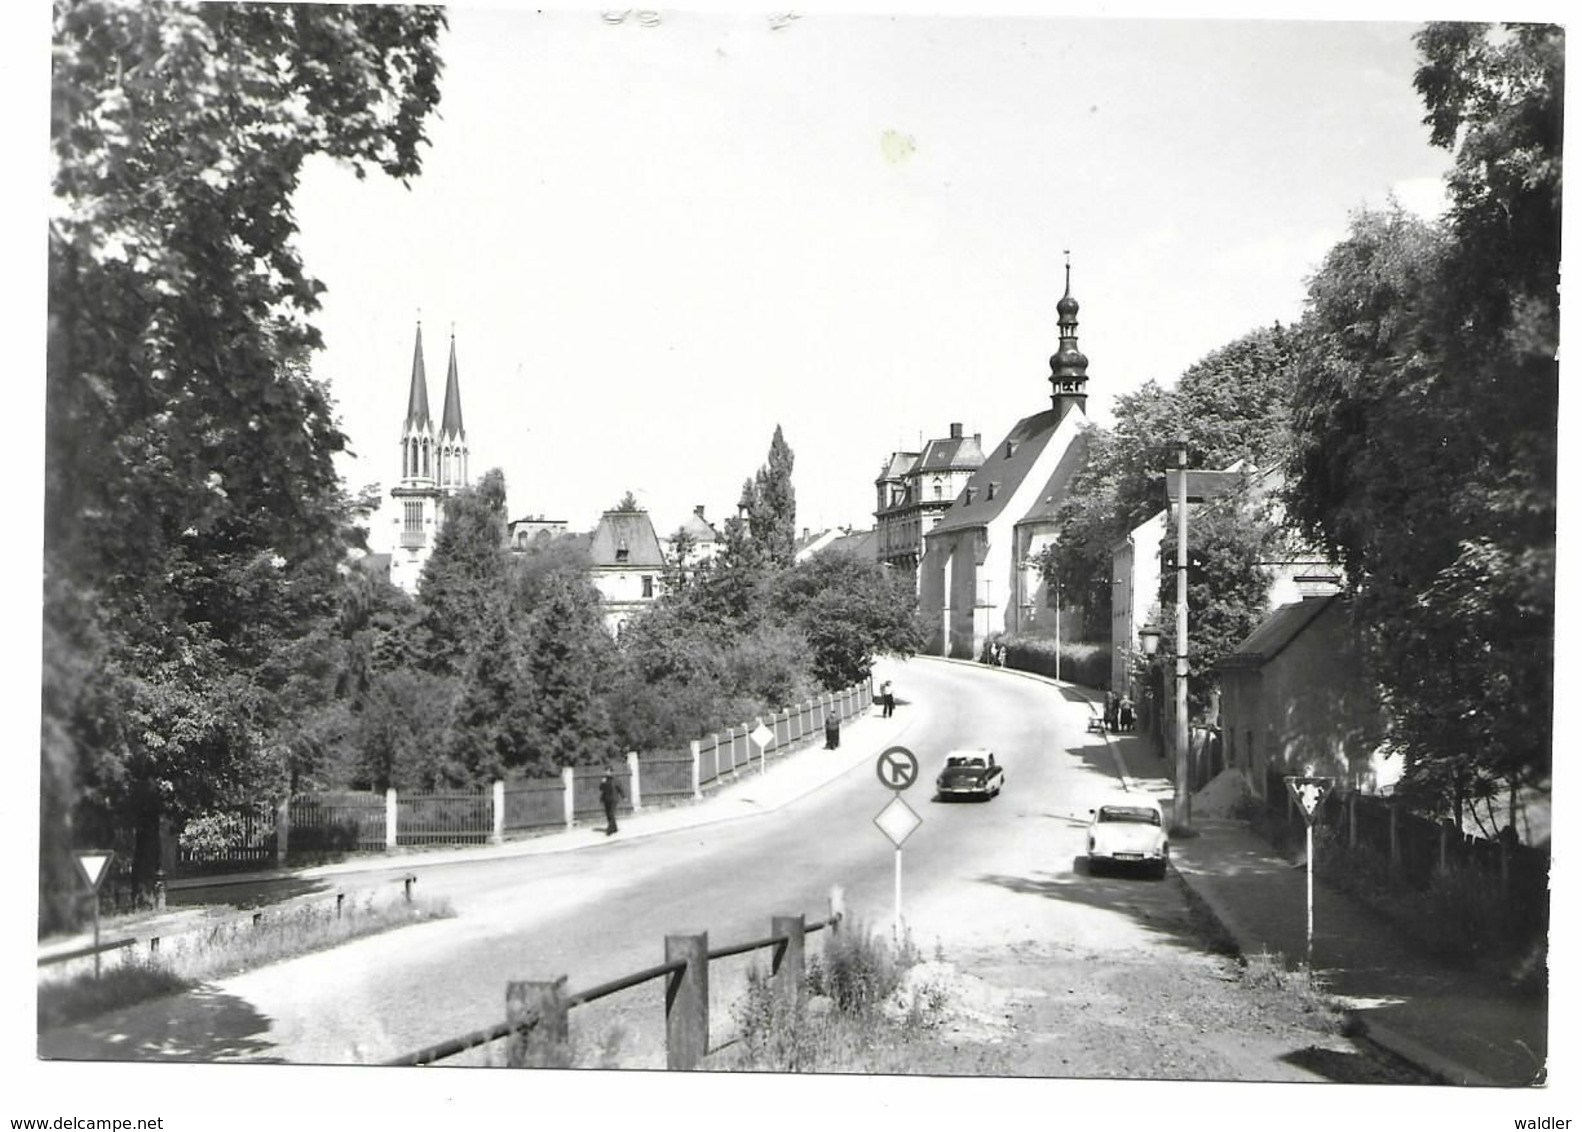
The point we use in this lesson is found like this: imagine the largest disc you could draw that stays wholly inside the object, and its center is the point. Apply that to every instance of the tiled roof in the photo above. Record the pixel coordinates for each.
(1276, 632)
(898, 465)
(861, 544)
(951, 452)
(1005, 467)
(1054, 493)
(631, 530)
(699, 529)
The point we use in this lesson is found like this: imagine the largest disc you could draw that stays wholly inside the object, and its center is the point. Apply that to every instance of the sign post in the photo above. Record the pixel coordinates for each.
(763, 737)
(897, 768)
(94, 865)
(1309, 794)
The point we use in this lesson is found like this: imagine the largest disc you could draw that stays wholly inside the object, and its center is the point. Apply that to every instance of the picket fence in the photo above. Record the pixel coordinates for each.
(350, 821)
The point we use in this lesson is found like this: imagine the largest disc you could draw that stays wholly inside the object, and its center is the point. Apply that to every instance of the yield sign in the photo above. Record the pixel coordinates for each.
(1308, 792)
(897, 768)
(95, 864)
(761, 735)
(897, 821)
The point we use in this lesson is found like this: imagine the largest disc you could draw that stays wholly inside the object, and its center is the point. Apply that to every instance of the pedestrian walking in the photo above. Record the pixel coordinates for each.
(1125, 715)
(610, 793)
(886, 699)
(1110, 703)
(831, 731)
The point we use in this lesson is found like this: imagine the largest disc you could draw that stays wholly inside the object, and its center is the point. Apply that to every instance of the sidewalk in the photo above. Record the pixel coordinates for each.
(747, 793)
(1460, 1026)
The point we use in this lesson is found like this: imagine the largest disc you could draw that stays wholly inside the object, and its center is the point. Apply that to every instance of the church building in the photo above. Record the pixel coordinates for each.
(434, 466)
(978, 575)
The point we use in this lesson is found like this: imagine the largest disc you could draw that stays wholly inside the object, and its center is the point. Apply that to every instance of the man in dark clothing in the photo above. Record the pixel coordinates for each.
(831, 732)
(886, 699)
(609, 793)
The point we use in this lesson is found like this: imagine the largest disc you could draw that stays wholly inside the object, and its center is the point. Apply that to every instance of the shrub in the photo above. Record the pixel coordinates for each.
(860, 967)
(1081, 662)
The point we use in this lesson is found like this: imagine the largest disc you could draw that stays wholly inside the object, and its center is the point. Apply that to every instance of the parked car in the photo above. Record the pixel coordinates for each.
(1129, 831)
(970, 774)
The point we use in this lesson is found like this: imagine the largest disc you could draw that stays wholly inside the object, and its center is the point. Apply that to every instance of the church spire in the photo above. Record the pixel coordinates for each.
(1068, 367)
(417, 398)
(453, 454)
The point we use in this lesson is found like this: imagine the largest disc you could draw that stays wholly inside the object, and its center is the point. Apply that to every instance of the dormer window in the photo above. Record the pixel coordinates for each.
(994, 487)
(966, 496)
(1010, 448)
(621, 553)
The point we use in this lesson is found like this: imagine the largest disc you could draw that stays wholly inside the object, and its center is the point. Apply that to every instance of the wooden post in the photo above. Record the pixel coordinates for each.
(1395, 839)
(687, 1001)
(634, 767)
(568, 782)
(282, 831)
(697, 755)
(498, 834)
(543, 1045)
(391, 810)
(787, 967)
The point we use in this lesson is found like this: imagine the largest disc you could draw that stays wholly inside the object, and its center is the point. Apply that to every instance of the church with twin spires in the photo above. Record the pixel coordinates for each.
(434, 466)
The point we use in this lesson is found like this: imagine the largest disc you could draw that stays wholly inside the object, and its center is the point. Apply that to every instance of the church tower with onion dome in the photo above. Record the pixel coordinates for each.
(979, 576)
(434, 466)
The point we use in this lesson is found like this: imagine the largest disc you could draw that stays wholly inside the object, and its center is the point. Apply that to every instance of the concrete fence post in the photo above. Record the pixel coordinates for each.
(634, 766)
(568, 782)
(837, 907)
(543, 1043)
(697, 756)
(282, 831)
(498, 833)
(687, 1001)
(787, 968)
(391, 812)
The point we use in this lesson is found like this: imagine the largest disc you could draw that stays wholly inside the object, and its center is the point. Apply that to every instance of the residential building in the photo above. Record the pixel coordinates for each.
(978, 576)
(533, 529)
(628, 565)
(914, 491)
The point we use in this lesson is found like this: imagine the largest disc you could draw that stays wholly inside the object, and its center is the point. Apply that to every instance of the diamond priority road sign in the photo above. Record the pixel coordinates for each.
(897, 821)
(761, 735)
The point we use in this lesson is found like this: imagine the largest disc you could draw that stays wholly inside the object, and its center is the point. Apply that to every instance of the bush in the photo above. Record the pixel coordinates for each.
(1081, 662)
(861, 968)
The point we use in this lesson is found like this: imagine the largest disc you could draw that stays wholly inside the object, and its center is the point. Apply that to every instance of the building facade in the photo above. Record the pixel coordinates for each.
(434, 466)
(915, 489)
(977, 576)
(628, 566)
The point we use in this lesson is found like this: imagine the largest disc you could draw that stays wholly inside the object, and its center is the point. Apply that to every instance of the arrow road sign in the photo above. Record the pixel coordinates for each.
(897, 768)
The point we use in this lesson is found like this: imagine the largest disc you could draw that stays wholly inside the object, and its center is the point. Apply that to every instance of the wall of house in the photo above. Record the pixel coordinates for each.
(1308, 710)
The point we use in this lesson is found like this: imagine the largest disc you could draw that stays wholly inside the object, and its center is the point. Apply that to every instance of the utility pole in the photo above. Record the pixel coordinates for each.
(1182, 816)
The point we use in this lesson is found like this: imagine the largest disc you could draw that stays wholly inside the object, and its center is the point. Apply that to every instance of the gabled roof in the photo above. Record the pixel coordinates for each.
(1276, 632)
(417, 395)
(951, 452)
(450, 424)
(860, 544)
(630, 530)
(1059, 483)
(1005, 467)
(699, 529)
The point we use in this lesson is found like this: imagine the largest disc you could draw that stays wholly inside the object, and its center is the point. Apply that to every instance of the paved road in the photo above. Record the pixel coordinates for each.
(974, 874)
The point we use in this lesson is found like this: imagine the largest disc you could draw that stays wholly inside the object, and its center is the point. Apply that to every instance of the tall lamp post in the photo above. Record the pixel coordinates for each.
(1149, 635)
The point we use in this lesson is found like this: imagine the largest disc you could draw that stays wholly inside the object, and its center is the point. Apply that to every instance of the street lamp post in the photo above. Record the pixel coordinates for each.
(1183, 792)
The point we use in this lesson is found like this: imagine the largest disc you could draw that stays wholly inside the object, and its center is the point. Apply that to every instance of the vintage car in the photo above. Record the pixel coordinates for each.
(1128, 831)
(970, 774)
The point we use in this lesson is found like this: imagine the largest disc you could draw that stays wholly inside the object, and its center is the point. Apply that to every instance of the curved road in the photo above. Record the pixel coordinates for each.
(976, 876)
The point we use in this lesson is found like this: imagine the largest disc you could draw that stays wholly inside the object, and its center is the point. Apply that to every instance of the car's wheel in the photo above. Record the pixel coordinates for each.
(1161, 869)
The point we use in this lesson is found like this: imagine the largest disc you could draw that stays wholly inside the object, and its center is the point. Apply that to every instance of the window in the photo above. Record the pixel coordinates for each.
(621, 553)
(414, 517)
(648, 585)
(939, 488)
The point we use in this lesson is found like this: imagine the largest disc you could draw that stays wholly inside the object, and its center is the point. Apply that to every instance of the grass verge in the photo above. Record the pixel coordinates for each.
(226, 949)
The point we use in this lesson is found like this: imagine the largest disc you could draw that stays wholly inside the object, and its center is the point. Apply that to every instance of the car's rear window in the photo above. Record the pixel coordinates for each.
(1142, 814)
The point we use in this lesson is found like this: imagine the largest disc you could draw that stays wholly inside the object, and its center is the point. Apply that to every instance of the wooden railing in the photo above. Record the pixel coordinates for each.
(536, 1011)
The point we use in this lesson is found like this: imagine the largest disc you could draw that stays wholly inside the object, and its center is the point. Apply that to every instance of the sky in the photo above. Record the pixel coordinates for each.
(658, 237)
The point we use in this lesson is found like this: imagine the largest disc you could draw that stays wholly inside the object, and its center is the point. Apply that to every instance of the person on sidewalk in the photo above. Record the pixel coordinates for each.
(831, 732)
(886, 700)
(610, 793)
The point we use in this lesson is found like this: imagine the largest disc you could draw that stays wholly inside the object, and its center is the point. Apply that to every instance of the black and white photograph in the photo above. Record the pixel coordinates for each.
(910, 566)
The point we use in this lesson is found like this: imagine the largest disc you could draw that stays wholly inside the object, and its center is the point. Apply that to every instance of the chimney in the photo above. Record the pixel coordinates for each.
(955, 430)
(698, 510)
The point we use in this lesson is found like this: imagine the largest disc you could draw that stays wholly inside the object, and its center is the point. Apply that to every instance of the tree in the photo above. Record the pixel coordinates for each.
(849, 609)
(771, 505)
(466, 581)
(190, 497)
(568, 661)
(1427, 423)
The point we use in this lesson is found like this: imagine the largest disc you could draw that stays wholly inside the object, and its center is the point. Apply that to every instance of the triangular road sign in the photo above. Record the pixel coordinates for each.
(95, 865)
(1308, 792)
